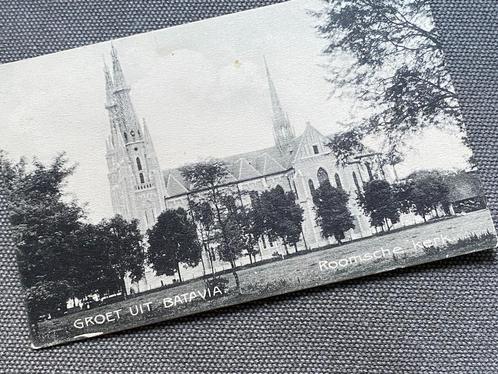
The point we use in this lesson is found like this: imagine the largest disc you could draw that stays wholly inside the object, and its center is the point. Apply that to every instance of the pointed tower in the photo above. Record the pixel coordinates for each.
(137, 186)
(122, 99)
(283, 132)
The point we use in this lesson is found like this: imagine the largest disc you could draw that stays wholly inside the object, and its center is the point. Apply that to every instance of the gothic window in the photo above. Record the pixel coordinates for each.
(125, 137)
(315, 150)
(142, 179)
(322, 176)
(139, 164)
(369, 170)
(356, 183)
(312, 186)
(338, 182)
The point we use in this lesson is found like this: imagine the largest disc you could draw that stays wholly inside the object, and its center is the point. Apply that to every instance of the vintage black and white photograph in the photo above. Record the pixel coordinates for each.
(233, 159)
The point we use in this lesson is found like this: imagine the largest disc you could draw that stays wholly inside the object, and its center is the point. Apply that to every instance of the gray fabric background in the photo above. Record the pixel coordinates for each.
(435, 318)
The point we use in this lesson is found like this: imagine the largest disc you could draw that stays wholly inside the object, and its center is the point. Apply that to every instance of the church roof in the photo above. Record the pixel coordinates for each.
(242, 167)
(175, 183)
(250, 165)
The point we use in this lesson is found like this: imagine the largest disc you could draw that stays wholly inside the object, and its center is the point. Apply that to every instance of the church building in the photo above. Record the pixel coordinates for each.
(141, 189)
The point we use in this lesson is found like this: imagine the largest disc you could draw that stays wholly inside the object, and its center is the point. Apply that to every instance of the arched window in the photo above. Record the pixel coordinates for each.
(142, 179)
(356, 183)
(322, 176)
(139, 164)
(312, 186)
(369, 170)
(338, 182)
(125, 137)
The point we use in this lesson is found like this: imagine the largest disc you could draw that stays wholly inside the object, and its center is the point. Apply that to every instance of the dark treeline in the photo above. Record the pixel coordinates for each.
(62, 256)
(425, 193)
(223, 221)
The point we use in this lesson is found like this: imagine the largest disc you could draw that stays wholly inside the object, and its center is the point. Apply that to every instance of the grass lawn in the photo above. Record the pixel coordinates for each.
(293, 273)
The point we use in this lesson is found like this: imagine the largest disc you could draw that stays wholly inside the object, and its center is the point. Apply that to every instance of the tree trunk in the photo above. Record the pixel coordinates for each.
(178, 272)
(210, 258)
(213, 271)
(203, 266)
(123, 288)
(304, 241)
(286, 249)
(235, 275)
(250, 258)
(295, 247)
(395, 173)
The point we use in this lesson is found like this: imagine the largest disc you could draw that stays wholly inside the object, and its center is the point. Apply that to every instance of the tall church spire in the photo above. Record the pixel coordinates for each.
(119, 79)
(109, 87)
(283, 132)
(126, 118)
(135, 177)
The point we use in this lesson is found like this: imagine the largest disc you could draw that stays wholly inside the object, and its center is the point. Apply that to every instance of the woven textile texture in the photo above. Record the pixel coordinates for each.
(435, 318)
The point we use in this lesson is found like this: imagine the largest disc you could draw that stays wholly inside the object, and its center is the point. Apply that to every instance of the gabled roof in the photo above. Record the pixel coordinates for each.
(254, 164)
(175, 184)
(246, 170)
(244, 166)
(266, 164)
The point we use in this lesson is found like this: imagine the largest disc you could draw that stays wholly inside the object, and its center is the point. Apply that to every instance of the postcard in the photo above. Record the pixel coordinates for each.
(232, 159)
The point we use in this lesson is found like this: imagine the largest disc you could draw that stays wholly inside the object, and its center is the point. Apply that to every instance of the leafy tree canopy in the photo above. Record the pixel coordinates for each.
(332, 212)
(121, 243)
(379, 201)
(428, 189)
(173, 240)
(45, 228)
(395, 68)
(206, 174)
(282, 215)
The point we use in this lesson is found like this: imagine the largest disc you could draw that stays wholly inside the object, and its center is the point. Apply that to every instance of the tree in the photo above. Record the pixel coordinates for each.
(210, 181)
(45, 227)
(379, 201)
(255, 223)
(173, 240)
(203, 216)
(402, 193)
(122, 250)
(428, 190)
(60, 255)
(92, 266)
(234, 244)
(395, 66)
(332, 212)
(282, 216)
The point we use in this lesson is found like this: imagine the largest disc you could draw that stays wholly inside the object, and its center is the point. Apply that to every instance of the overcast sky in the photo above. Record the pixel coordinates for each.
(201, 88)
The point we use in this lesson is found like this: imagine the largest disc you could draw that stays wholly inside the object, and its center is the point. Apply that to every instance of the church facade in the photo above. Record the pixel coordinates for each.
(141, 190)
